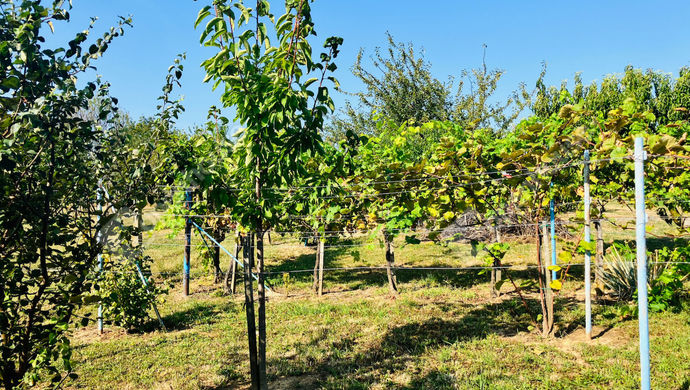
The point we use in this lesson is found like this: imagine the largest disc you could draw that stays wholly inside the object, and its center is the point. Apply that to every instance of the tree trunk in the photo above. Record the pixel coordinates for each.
(321, 261)
(390, 263)
(259, 227)
(140, 227)
(216, 265)
(317, 260)
(231, 275)
(262, 309)
(249, 308)
(599, 256)
(496, 272)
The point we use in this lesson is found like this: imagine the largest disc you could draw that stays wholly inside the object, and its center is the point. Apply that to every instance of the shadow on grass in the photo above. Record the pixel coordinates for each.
(685, 385)
(349, 362)
(198, 314)
(402, 343)
(433, 380)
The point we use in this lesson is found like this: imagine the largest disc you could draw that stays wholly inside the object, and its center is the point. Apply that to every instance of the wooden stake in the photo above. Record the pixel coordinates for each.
(231, 275)
(496, 272)
(390, 263)
(599, 255)
(321, 256)
(315, 285)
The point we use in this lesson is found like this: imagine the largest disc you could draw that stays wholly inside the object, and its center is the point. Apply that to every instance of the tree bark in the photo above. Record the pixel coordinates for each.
(249, 309)
(263, 384)
(317, 260)
(599, 256)
(216, 265)
(231, 275)
(496, 272)
(233, 268)
(390, 263)
(140, 227)
(262, 310)
(321, 261)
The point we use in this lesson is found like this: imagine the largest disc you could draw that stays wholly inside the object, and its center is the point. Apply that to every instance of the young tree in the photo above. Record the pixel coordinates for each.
(475, 108)
(48, 163)
(399, 86)
(265, 66)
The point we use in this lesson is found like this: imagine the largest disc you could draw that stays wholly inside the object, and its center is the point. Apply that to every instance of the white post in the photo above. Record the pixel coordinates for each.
(640, 224)
(588, 256)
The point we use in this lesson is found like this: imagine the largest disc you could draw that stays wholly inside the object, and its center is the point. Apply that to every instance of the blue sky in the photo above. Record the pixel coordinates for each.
(593, 37)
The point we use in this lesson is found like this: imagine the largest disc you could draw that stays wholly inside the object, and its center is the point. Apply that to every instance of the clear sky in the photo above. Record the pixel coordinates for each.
(593, 37)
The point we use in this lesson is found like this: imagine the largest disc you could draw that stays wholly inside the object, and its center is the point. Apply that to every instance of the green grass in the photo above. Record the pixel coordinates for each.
(436, 338)
(442, 332)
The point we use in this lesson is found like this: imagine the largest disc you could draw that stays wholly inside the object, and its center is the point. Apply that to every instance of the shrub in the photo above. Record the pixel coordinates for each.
(126, 300)
(664, 279)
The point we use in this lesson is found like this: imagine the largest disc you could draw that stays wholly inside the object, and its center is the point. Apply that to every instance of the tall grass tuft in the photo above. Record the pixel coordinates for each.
(619, 273)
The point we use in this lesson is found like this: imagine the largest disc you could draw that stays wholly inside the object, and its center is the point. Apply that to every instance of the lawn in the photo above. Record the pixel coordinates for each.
(442, 331)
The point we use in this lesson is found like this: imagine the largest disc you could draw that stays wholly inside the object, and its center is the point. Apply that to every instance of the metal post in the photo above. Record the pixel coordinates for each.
(552, 209)
(99, 198)
(641, 219)
(188, 245)
(588, 255)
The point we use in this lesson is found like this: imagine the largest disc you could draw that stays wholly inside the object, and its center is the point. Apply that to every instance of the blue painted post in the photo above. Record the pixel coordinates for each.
(552, 209)
(188, 244)
(588, 255)
(641, 219)
(99, 197)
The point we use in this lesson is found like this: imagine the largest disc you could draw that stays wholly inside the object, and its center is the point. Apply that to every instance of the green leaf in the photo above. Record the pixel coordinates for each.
(588, 246)
(565, 257)
(203, 14)
(499, 284)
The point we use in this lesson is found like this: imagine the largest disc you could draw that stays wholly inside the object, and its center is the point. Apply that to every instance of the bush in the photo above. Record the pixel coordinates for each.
(664, 279)
(126, 301)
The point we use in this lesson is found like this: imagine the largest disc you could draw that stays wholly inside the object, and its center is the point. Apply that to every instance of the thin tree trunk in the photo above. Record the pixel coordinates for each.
(599, 256)
(317, 261)
(249, 308)
(496, 272)
(140, 227)
(262, 310)
(216, 265)
(263, 384)
(233, 268)
(231, 275)
(390, 263)
(321, 261)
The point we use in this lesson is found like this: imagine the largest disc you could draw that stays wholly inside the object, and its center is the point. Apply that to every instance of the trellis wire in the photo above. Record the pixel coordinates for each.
(518, 267)
(504, 173)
